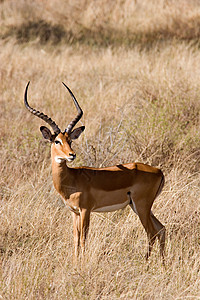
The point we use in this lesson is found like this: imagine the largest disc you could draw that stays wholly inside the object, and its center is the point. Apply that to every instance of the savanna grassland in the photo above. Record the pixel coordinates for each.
(134, 66)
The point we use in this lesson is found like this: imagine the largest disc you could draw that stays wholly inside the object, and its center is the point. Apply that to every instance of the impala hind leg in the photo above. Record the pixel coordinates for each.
(155, 229)
(85, 222)
(150, 230)
(161, 231)
(144, 212)
(151, 240)
(146, 222)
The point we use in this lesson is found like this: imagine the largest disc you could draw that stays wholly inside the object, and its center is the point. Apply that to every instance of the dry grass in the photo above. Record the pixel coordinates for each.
(134, 66)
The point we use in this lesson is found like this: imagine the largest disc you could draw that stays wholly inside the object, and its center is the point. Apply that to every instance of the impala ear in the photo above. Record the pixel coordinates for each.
(77, 132)
(47, 133)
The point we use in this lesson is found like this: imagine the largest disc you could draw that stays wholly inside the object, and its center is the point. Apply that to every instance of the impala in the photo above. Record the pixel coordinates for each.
(85, 190)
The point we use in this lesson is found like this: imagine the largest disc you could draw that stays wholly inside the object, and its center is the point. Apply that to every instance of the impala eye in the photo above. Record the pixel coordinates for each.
(57, 142)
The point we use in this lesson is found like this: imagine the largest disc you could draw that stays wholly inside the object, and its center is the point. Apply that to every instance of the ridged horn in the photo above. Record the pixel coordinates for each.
(40, 115)
(79, 115)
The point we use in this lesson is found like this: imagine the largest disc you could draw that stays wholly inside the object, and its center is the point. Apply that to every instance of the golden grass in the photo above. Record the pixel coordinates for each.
(140, 96)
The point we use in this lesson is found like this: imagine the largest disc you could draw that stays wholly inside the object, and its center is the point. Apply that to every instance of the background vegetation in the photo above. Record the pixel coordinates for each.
(135, 69)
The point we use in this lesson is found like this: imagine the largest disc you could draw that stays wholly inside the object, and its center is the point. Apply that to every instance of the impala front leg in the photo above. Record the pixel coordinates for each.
(85, 222)
(76, 231)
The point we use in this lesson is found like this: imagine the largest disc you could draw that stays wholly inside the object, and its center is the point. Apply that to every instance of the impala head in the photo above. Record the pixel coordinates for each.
(61, 141)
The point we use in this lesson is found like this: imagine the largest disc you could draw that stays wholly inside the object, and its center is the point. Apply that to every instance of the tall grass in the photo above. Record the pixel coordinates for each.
(134, 67)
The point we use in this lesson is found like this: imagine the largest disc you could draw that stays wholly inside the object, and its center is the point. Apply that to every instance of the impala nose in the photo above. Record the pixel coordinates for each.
(72, 156)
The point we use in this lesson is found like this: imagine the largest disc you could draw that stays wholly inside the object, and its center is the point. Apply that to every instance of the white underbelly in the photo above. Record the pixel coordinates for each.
(113, 207)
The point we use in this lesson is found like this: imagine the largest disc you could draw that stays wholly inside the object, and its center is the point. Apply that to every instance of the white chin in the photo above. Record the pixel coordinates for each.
(59, 160)
(70, 159)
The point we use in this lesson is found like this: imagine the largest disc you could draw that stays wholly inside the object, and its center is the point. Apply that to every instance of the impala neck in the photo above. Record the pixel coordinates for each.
(63, 179)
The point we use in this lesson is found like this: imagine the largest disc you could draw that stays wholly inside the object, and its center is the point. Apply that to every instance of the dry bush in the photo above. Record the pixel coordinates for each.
(138, 106)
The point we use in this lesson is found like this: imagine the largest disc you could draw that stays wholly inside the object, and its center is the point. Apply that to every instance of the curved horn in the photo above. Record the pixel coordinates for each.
(79, 115)
(40, 114)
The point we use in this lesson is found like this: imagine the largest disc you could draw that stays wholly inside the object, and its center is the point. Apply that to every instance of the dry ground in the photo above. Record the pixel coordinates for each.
(135, 69)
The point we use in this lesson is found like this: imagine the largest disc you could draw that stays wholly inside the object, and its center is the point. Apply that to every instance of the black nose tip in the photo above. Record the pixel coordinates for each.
(72, 155)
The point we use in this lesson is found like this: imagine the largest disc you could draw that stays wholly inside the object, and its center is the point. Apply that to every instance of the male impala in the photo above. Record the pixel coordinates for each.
(86, 190)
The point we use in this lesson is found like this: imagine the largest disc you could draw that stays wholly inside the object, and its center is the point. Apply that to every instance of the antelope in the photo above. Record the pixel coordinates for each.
(86, 189)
